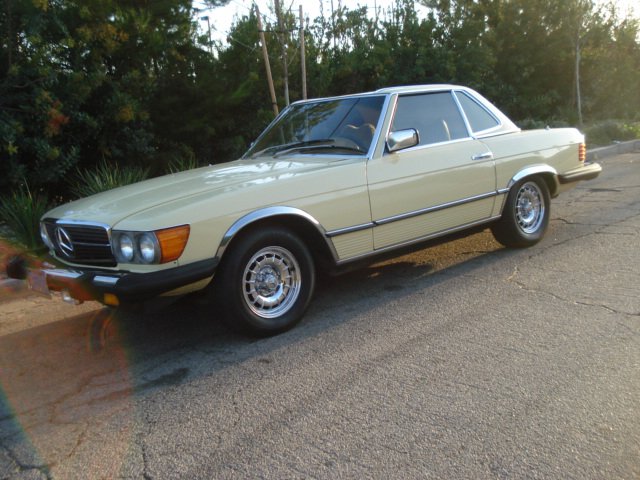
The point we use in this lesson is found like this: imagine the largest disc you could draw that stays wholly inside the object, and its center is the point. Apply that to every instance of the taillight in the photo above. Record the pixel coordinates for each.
(582, 153)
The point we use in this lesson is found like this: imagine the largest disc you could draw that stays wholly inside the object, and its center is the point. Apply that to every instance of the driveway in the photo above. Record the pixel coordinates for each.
(464, 360)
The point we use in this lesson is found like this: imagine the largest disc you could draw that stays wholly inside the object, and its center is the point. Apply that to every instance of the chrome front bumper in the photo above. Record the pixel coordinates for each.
(113, 287)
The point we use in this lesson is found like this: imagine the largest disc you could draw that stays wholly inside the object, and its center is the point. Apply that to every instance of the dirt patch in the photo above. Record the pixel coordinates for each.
(22, 309)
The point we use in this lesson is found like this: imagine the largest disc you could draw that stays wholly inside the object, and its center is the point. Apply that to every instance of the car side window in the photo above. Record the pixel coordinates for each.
(435, 116)
(478, 117)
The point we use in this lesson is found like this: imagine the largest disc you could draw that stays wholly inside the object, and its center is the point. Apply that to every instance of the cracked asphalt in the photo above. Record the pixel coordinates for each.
(464, 360)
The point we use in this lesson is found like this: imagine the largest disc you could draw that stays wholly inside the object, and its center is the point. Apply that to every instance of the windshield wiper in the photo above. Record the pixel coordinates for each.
(294, 145)
(328, 146)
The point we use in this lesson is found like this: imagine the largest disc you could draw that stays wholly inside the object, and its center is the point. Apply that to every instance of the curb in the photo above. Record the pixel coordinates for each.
(611, 150)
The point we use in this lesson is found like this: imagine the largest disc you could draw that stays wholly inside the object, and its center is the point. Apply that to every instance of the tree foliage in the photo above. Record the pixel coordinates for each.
(132, 82)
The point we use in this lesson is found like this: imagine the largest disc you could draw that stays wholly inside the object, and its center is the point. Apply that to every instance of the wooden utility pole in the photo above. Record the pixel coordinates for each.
(267, 65)
(333, 26)
(285, 62)
(577, 72)
(302, 59)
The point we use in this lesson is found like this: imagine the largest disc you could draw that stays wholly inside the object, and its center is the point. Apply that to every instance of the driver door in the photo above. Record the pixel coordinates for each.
(445, 182)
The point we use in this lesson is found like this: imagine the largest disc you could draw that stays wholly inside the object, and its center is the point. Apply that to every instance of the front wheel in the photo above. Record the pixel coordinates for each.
(525, 216)
(265, 282)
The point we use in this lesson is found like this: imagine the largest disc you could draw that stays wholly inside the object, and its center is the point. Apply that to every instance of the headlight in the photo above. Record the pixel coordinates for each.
(125, 247)
(160, 246)
(147, 245)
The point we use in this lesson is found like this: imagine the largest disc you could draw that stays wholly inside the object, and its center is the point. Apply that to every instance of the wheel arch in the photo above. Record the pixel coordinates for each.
(546, 172)
(296, 220)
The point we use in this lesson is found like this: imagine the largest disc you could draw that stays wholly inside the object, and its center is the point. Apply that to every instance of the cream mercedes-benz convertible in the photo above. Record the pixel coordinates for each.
(331, 181)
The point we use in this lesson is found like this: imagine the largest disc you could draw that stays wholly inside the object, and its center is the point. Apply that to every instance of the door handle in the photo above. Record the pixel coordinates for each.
(482, 156)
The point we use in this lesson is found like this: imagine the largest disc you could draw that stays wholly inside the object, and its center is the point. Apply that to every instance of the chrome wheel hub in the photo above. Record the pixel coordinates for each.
(529, 208)
(267, 281)
(271, 282)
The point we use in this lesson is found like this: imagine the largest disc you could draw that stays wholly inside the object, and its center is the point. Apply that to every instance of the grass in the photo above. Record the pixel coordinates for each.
(105, 177)
(180, 164)
(21, 213)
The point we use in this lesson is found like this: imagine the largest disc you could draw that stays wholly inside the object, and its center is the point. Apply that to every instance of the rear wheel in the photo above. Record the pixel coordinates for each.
(526, 214)
(265, 282)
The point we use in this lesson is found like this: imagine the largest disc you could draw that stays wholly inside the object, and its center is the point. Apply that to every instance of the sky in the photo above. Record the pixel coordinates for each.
(221, 18)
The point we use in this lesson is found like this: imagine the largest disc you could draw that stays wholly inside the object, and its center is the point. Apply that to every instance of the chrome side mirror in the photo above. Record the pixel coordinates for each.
(401, 139)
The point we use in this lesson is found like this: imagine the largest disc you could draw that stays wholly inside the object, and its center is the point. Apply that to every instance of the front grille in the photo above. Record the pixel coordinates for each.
(83, 244)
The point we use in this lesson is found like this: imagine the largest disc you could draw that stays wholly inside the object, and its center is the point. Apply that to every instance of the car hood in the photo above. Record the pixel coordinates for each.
(115, 205)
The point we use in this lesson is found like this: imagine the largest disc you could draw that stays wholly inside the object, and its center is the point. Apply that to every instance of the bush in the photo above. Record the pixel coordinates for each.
(22, 212)
(105, 177)
(531, 124)
(609, 131)
(182, 163)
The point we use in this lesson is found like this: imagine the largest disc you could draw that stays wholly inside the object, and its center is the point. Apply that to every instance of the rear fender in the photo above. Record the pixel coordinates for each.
(547, 172)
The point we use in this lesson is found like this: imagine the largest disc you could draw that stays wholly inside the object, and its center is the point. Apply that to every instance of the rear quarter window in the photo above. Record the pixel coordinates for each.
(479, 118)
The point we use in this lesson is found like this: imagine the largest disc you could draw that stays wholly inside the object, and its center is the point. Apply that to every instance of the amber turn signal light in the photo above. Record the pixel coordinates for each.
(110, 299)
(582, 153)
(172, 242)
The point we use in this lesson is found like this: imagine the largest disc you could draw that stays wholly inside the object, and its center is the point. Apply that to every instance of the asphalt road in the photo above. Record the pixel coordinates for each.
(464, 360)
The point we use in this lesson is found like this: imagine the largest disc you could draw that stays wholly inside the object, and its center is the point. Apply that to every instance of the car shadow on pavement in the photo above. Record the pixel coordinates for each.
(81, 368)
(107, 340)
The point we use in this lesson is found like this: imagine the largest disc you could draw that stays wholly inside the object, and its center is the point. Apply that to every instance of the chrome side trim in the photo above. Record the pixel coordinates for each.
(344, 231)
(327, 235)
(435, 208)
(417, 240)
(269, 212)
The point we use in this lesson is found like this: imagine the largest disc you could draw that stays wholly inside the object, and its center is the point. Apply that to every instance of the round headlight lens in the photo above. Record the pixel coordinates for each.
(125, 244)
(147, 246)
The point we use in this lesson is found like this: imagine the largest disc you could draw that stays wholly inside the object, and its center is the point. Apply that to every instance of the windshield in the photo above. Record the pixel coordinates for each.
(339, 125)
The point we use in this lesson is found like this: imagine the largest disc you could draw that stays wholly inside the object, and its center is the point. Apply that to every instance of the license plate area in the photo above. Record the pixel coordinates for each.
(37, 281)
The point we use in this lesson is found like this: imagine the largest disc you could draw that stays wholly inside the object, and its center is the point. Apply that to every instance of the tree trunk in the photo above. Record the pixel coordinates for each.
(578, 93)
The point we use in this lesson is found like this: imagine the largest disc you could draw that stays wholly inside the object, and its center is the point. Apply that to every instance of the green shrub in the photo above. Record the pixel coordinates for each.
(105, 177)
(532, 124)
(182, 163)
(609, 131)
(21, 213)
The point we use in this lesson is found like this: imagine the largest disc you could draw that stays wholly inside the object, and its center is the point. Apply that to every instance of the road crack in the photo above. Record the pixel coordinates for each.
(42, 469)
(512, 279)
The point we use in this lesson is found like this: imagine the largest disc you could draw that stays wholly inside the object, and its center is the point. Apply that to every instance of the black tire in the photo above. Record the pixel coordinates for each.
(280, 268)
(525, 216)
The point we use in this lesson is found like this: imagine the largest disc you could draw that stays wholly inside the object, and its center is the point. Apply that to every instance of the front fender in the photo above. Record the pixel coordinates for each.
(267, 213)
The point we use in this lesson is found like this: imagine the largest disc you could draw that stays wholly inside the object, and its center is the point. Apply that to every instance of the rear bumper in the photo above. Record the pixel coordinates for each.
(588, 171)
(86, 284)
